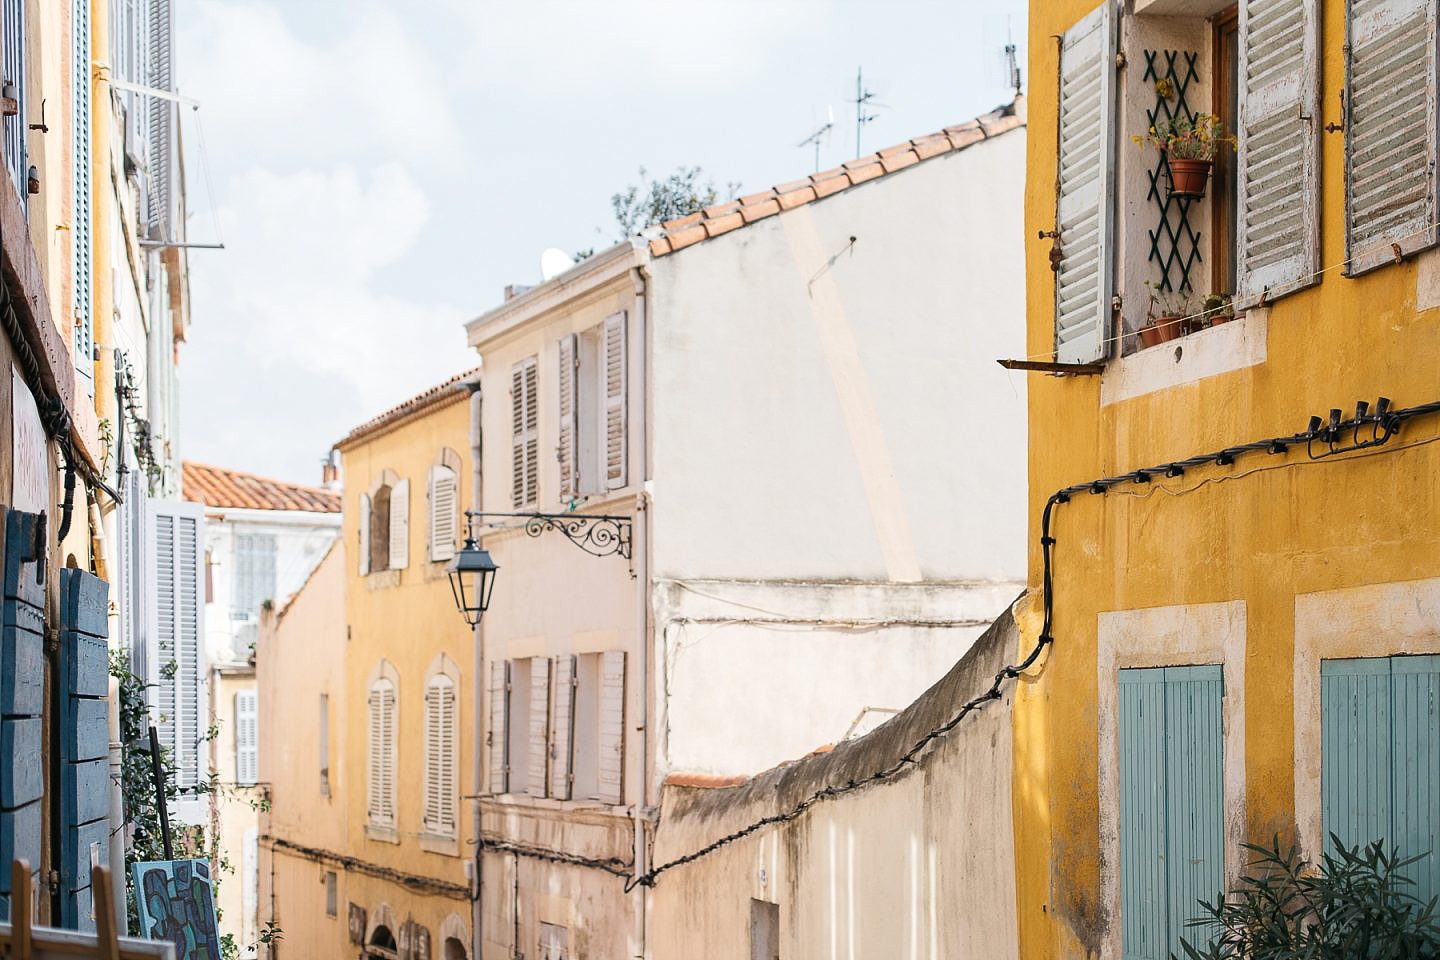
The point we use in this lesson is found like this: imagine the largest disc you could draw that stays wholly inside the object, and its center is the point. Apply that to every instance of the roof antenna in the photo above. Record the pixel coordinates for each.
(1012, 65)
(821, 134)
(863, 99)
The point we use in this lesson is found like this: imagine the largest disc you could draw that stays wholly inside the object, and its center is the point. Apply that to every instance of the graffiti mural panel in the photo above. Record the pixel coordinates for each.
(176, 902)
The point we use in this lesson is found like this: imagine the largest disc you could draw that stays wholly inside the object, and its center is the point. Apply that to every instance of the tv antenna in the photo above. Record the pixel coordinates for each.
(822, 134)
(863, 100)
(1012, 64)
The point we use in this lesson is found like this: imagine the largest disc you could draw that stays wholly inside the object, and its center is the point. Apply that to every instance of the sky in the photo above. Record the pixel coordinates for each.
(378, 172)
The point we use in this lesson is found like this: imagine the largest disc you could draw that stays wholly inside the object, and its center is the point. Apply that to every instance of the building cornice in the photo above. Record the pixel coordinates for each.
(584, 278)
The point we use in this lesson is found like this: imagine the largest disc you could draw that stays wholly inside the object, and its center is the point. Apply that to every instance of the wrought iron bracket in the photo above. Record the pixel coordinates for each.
(600, 535)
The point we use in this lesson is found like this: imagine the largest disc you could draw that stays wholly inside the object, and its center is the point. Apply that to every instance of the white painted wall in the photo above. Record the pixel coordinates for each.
(301, 539)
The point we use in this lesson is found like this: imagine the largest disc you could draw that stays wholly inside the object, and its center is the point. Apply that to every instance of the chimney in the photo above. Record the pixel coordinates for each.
(513, 290)
(330, 472)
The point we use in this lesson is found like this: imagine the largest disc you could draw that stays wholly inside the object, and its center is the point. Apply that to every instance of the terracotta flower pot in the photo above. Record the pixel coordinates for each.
(1159, 330)
(1188, 177)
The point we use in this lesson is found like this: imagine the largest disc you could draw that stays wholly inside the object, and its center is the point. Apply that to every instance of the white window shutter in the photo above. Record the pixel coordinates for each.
(364, 521)
(567, 452)
(381, 799)
(440, 744)
(444, 512)
(81, 232)
(539, 724)
(160, 136)
(1390, 138)
(177, 626)
(562, 737)
(1085, 204)
(1278, 157)
(524, 434)
(247, 768)
(612, 726)
(616, 390)
(400, 525)
(499, 740)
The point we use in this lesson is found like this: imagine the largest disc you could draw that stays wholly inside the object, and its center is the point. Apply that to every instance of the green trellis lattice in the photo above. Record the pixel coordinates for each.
(1174, 243)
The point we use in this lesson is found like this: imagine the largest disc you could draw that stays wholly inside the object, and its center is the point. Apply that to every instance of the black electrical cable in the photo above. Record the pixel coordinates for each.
(408, 880)
(67, 509)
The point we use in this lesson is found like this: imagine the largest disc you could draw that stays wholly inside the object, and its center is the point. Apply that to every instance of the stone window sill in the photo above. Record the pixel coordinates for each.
(1207, 353)
(382, 834)
(439, 843)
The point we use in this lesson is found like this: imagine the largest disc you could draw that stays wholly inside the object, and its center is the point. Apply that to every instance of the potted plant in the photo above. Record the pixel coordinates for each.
(1215, 308)
(1165, 319)
(1189, 145)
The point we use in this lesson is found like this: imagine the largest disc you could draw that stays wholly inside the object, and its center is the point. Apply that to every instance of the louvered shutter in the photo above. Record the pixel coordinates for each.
(616, 423)
(440, 756)
(400, 525)
(1390, 140)
(612, 726)
(84, 332)
(382, 753)
(12, 73)
(524, 434)
(539, 725)
(1085, 203)
(177, 623)
(364, 522)
(247, 769)
(160, 136)
(563, 732)
(444, 512)
(568, 450)
(1278, 160)
(499, 741)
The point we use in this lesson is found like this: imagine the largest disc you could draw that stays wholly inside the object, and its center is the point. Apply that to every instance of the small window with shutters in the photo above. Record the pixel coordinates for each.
(383, 720)
(247, 764)
(524, 434)
(332, 900)
(443, 499)
(441, 756)
(1084, 203)
(1390, 138)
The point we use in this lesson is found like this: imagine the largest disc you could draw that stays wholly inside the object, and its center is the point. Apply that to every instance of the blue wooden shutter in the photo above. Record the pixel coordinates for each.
(1172, 847)
(1415, 753)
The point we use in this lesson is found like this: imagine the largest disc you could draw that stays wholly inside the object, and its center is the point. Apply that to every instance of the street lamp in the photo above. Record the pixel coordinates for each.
(473, 564)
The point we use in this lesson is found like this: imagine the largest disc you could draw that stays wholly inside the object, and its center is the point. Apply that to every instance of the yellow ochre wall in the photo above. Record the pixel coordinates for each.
(1266, 532)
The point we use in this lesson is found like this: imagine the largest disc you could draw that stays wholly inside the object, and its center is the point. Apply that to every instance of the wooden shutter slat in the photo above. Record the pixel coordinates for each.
(1084, 202)
(616, 390)
(499, 739)
(1390, 135)
(1278, 150)
(567, 450)
(563, 735)
(612, 726)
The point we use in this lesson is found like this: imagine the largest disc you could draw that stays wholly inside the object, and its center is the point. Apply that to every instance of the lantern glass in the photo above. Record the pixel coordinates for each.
(472, 580)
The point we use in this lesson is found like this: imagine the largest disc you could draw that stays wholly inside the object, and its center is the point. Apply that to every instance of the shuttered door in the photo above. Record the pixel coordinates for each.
(562, 732)
(1390, 146)
(12, 73)
(444, 512)
(499, 739)
(567, 450)
(1171, 804)
(1085, 202)
(381, 800)
(612, 726)
(616, 424)
(364, 522)
(1380, 758)
(1278, 151)
(84, 333)
(539, 725)
(524, 434)
(440, 757)
(247, 768)
(176, 620)
(400, 525)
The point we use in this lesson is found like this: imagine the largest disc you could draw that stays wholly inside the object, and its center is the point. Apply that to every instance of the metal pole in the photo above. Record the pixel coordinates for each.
(159, 775)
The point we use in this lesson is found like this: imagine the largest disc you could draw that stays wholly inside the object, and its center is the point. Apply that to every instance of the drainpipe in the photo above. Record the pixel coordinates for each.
(640, 551)
(477, 680)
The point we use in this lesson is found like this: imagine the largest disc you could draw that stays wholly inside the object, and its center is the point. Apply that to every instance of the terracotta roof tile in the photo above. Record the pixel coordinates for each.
(221, 487)
(415, 404)
(722, 218)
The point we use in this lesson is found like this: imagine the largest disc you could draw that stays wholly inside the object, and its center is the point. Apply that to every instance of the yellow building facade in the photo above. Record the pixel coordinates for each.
(1240, 592)
(393, 752)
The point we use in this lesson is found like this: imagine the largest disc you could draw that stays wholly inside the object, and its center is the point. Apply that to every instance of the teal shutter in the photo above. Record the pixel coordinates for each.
(1380, 758)
(1172, 848)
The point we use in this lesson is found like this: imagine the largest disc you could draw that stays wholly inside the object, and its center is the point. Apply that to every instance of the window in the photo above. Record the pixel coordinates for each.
(524, 434)
(1380, 758)
(252, 584)
(385, 525)
(1390, 137)
(332, 905)
(1171, 804)
(440, 756)
(554, 941)
(383, 719)
(764, 930)
(325, 744)
(247, 765)
(1226, 106)
(443, 497)
(596, 734)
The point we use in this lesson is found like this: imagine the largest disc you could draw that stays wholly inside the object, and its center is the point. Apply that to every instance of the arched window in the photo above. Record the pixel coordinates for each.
(384, 718)
(441, 750)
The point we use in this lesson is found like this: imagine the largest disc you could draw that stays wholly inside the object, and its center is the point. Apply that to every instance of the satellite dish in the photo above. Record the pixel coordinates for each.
(554, 262)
